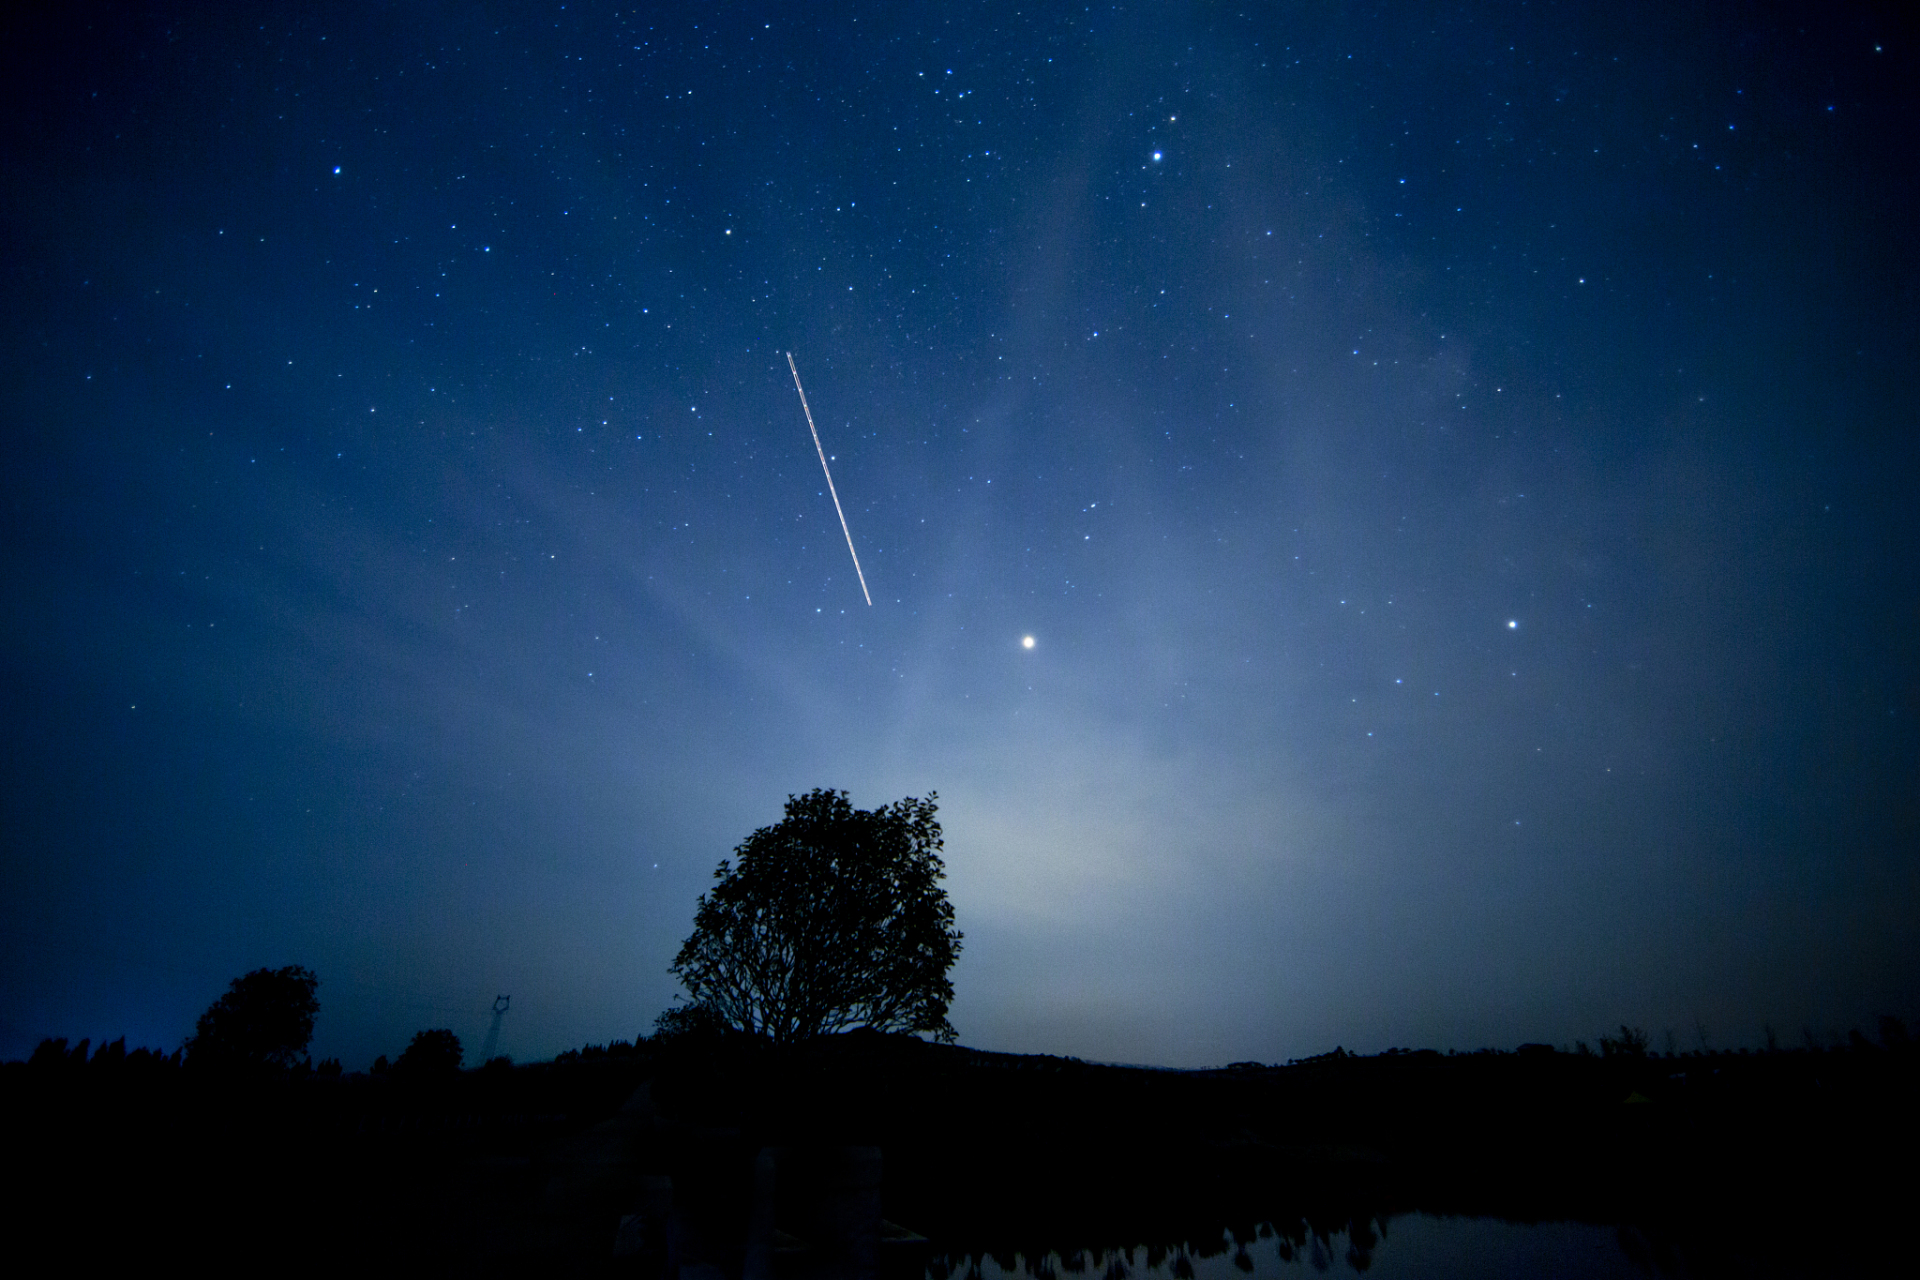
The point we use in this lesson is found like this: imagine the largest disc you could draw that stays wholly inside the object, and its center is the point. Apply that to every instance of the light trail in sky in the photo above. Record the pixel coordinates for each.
(830, 489)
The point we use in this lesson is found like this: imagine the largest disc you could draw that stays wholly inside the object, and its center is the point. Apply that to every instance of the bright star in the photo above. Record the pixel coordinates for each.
(1156, 155)
(1513, 624)
(1026, 642)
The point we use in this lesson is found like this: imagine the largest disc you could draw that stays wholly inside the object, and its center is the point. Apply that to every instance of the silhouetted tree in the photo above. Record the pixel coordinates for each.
(263, 1022)
(833, 919)
(145, 1060)
(688, 1021)
(50, 1054)
(430, 1053)
(1630, 1043)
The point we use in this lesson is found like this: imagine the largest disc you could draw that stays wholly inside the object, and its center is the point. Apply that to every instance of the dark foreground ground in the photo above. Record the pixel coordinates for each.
(642, 1161)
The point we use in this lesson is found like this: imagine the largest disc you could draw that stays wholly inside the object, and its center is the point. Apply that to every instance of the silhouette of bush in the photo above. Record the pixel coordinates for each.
(263, 1023)
(329, 1068)
(429, 1054)
(833, 919)
(1630, 1043)
(115, 1059)
(50, 1054)
(381, 1066)
(150, 1059)
(687, 1023)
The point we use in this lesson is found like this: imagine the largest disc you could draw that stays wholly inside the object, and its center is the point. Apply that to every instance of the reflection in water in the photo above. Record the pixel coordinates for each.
(1391, 1246)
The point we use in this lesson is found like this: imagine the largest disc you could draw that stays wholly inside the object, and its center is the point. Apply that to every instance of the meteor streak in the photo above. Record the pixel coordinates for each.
(830, 489)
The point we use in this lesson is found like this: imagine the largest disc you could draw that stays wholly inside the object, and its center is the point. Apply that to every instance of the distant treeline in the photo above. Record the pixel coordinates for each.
(436, 1051)
(986, 1154)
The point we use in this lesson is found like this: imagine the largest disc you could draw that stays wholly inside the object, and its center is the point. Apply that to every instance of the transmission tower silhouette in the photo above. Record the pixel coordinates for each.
(493, 1032)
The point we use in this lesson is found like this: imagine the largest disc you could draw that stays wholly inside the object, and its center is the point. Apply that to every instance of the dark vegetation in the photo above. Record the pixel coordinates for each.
(742, 1136)
(833, 919)
(262, 1024)
(1714, 1163)
(431, 1054)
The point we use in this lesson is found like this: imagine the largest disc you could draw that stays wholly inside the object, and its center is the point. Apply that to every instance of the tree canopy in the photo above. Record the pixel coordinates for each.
(834, 918)
(264, 1021)
(431, 1053)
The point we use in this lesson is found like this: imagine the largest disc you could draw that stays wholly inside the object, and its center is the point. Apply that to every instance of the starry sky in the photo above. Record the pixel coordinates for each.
(1455, 464)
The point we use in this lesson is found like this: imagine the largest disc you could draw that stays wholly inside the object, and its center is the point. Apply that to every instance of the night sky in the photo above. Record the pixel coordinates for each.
(1456, 465)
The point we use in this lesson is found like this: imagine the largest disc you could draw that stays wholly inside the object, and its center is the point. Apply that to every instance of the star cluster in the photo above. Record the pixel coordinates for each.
(1381, 531)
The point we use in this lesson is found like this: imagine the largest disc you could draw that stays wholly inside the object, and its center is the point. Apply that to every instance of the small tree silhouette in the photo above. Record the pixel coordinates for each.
(51, 1054)
(688, 1021)
(430, 1053)
(263, 1023)
(1630, 1043)
(833, 919)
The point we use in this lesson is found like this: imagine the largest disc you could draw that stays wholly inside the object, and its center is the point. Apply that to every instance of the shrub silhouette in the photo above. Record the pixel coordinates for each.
(263, 1023)
(51, 1054)
(833, 919)
(431, 1053)
(1630, 1043)
(683, 1022)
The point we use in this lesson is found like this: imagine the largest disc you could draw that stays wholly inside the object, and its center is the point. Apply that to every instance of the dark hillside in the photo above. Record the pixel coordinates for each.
(1703, 1156)
(987, 1150)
